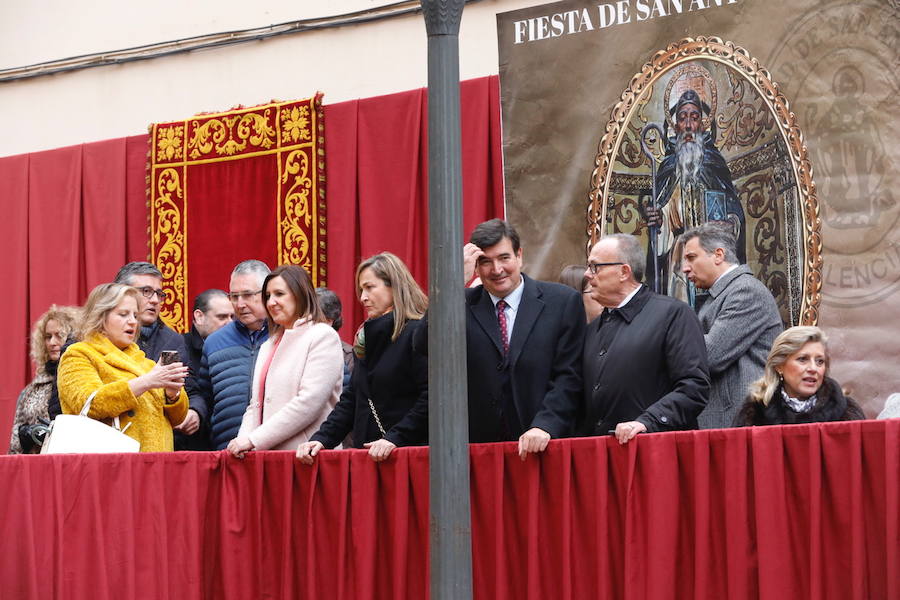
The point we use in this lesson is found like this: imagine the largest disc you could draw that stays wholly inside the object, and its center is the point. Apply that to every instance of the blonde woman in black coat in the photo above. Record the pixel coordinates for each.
(386, 403)
(795, 387)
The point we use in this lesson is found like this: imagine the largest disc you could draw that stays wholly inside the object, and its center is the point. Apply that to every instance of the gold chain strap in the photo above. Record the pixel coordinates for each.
(377, 420)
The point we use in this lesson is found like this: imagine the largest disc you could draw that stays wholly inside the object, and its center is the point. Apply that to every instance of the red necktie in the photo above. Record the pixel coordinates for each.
(501, 319)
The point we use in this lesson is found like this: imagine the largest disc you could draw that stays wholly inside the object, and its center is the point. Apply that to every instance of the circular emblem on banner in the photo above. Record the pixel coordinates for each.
(840, 68)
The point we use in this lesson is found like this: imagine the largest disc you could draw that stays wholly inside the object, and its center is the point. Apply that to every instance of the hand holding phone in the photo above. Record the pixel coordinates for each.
(167, 357)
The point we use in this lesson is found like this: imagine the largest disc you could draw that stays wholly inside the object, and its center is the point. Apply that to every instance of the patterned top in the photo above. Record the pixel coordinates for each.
(32, 405)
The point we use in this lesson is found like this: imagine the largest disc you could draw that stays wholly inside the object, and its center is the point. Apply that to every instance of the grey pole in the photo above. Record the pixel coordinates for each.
(448, 427)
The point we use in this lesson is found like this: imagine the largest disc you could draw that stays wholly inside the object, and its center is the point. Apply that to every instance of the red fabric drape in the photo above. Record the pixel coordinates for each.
(807, 511)
(14, 273)
(376, 151)
(71, 218)
(75, 215)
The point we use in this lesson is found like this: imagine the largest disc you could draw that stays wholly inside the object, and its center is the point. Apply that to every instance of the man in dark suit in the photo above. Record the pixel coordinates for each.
(523, 340)
(644, 358)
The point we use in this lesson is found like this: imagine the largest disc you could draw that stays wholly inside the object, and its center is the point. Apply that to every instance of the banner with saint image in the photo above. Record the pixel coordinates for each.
(776, 119)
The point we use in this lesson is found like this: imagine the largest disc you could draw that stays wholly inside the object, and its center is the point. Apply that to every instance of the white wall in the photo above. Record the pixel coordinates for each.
(114, 101)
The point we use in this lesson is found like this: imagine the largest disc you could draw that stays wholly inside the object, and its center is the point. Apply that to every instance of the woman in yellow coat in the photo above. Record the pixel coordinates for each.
(148, 398)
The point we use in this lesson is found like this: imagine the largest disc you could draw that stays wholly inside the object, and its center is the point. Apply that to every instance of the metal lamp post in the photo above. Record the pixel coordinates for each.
(450, 521)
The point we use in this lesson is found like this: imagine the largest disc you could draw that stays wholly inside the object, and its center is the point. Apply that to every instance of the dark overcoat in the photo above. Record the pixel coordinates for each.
(396, 380)
(654, 370)
(541, 374)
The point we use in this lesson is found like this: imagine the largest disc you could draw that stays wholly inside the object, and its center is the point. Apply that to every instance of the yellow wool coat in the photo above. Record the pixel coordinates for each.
(97, 365)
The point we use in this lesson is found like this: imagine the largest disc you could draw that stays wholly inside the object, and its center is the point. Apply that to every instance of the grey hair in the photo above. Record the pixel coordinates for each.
(136, 268)
(331, 306)
(631, 253)
(714, 235)
(252, 267)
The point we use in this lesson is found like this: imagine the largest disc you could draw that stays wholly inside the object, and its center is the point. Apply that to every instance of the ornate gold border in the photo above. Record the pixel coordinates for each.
(739, 59)
(293, 131)
(168, 222)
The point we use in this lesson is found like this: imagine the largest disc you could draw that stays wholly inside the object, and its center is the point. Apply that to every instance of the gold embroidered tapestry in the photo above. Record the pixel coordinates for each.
(226, 187)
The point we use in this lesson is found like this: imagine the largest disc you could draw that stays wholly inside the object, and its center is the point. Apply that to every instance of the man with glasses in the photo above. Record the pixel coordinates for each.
(155, 336)
(645, 367)
(226, 365)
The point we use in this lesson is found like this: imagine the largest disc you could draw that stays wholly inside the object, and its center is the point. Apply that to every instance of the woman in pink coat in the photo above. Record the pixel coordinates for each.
(297, 376)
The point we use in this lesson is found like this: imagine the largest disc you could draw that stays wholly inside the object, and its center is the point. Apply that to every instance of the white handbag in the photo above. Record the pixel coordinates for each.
(80, 434)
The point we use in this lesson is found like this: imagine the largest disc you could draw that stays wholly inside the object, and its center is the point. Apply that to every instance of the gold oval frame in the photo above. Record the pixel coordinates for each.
(740, 60)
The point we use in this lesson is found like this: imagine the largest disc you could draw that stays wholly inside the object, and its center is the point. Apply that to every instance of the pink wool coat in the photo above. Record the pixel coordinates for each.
(303, 385)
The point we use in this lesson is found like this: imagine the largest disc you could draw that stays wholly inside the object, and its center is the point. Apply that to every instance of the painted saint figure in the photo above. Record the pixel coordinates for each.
(693, 186)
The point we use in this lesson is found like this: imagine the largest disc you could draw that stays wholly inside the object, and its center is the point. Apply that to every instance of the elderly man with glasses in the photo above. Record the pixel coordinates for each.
(155, 336)
(645, 366)
(226, 366)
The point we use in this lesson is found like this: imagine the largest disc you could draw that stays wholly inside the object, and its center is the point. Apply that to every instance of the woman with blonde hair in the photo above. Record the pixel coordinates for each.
(795, 387)
(386, 403)
(108, 368)
(47, 338)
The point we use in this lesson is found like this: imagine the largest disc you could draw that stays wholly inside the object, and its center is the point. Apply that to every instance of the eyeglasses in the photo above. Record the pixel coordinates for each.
(245, 296)
(594, 267)
(147, 292)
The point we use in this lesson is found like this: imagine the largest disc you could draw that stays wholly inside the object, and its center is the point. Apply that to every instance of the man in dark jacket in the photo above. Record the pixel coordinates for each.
(226, 365)
(645, 367)
(212, 311)
(523, 340)
(155, 336)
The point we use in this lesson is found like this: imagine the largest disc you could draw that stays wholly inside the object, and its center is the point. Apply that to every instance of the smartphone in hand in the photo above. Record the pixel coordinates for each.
(167, 357)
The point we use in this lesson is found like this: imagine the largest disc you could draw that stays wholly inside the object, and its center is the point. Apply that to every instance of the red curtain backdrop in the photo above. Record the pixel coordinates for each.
(807, 511)
(73, 216)
(375, 152)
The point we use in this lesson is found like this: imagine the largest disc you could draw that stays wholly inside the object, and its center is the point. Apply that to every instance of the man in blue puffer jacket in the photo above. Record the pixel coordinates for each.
(226, 368)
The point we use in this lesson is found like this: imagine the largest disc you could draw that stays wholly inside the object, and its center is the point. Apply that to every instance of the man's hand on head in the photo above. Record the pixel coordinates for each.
(471, 254)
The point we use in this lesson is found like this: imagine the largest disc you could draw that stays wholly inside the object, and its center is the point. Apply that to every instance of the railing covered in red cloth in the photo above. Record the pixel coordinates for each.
(807, 511)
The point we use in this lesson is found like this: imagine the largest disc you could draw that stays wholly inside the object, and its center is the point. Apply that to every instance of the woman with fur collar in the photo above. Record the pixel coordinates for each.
(108, 368)
(795, 387)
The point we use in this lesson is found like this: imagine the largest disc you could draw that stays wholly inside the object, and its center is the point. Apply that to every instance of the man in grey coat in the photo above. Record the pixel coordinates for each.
(740, 319)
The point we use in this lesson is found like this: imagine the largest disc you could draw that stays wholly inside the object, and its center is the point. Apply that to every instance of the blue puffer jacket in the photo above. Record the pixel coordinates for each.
(226, 374)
